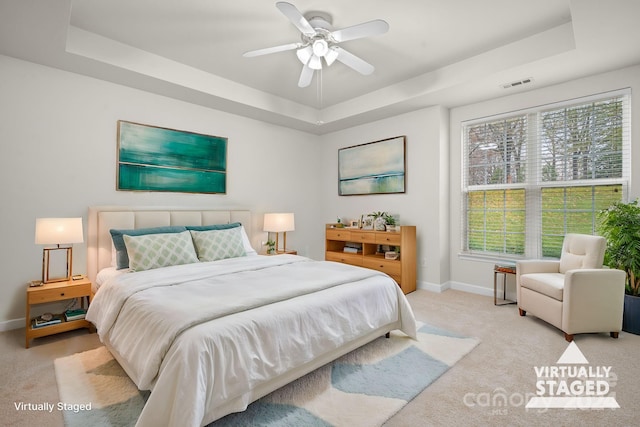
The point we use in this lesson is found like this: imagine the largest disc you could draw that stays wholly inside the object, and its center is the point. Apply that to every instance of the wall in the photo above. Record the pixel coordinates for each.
(476, 275)
(58, 154)
(425, 201)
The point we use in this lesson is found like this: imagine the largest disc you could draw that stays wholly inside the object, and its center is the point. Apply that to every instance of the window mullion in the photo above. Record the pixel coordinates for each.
(533, 220)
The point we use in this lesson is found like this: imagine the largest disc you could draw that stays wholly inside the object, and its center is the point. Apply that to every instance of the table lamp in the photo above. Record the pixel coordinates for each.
(58, 231)
(279, 223)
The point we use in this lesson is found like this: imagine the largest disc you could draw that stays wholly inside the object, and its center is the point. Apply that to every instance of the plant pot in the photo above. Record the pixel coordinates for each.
(380, 224)
(631, 314)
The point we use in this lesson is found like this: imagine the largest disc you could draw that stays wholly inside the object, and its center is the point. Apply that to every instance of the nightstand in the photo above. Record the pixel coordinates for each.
(290, 252)
(52, 292)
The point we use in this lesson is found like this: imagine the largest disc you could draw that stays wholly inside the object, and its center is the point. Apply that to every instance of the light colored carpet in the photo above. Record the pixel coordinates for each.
(511, 346)
(363, 388)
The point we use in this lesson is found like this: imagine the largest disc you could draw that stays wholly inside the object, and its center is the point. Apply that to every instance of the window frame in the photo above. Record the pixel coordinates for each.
(533, 184)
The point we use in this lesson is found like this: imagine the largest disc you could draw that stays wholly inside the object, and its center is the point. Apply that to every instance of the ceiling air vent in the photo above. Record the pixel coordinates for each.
(517, 83)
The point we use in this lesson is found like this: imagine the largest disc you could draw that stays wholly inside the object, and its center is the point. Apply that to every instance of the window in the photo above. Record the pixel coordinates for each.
(532, 177)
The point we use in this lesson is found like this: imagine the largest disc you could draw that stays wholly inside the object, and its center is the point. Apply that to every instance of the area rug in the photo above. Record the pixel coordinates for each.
(363, 388)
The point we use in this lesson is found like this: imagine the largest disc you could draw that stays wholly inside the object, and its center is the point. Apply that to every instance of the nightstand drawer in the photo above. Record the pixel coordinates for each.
(59, 293)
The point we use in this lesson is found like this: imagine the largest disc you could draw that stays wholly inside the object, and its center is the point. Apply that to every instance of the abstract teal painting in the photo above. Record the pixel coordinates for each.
(373, 168)
(152, 158)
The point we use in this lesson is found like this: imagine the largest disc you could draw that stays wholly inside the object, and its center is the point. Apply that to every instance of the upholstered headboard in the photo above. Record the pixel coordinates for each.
(104, 218)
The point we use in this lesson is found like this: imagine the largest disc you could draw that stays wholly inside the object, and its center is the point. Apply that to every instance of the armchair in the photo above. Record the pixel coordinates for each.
(574, 294)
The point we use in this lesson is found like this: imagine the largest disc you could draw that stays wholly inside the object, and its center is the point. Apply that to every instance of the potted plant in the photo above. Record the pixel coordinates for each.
(271, 247)
(390, 221)
(620, 225)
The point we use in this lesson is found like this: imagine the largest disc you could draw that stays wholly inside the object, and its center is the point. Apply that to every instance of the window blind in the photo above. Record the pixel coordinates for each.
(533, 176)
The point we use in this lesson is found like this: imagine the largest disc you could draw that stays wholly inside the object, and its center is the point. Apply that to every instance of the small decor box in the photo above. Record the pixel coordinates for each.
(391, 255)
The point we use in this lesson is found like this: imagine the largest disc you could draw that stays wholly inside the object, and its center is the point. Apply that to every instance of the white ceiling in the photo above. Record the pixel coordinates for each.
(437, 52)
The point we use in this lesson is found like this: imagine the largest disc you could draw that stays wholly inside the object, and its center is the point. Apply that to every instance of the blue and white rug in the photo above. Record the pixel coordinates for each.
(363, 388)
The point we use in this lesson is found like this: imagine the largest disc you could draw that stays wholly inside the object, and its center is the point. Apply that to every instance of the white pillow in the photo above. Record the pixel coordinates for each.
(248, 249)
(150, 251)
(212, 245)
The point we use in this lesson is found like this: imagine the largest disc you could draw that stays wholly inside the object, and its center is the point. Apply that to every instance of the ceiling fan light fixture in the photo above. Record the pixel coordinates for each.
(331, 55)
(315, 63)
(319, 40)
(304, 54)
(320, 47)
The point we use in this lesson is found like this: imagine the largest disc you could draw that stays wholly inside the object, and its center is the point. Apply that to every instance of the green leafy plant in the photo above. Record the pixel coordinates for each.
(271, 246)
(378, 214)
(620, 225)
(389, 219)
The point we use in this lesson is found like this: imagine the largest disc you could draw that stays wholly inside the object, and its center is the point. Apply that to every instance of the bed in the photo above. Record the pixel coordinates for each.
(210, 337)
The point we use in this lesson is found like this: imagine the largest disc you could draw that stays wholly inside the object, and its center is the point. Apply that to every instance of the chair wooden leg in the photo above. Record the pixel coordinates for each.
(522, 312)
(568, 337)
(614, 334)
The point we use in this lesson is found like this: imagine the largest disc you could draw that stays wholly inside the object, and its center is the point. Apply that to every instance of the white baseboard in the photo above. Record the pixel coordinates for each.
(9, 325)
(432, 287)
(472, 289)
(458, 286)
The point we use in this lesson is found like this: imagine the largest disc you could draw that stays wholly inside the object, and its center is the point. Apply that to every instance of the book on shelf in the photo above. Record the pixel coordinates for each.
(39, 322)
(351, 250)
(75, 314)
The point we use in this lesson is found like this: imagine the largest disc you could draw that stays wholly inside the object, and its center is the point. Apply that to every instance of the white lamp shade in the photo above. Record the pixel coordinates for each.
(279, 222)
(58, 231)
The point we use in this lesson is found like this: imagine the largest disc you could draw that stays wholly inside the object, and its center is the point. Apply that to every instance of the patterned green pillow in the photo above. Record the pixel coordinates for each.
(213, 245)
(159, 250)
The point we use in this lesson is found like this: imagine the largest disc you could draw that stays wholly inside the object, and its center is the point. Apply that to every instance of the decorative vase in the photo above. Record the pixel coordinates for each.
(380, 224)
(631, 314)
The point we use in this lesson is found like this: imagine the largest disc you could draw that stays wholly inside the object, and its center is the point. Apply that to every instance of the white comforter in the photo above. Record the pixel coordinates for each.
(203, 336)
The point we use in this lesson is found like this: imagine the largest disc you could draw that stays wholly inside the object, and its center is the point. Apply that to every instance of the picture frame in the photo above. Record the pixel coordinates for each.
(153, 158)
(367, 222)
(373, 168)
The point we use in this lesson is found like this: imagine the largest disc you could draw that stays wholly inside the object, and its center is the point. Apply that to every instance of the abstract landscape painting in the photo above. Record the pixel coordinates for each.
(158, 159)
(373, 168)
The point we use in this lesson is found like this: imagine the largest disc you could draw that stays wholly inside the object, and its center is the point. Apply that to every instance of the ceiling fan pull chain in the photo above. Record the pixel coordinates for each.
(319, 88)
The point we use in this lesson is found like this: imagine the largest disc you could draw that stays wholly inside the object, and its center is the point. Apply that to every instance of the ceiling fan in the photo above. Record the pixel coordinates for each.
(320, 41)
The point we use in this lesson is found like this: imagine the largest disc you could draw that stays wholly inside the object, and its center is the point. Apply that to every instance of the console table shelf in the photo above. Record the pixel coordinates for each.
(402, 270)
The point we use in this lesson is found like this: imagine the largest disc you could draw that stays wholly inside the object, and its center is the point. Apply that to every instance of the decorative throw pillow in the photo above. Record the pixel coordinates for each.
(213, 245)
(248, 249)
(122, 258)
(213, 226)
(159, 250)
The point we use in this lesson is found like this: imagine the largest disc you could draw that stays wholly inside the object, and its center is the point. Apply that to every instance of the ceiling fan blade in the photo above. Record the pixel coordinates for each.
(367, 29)
(305, 76)
(296, 18)
(269, 50)
(350, 60)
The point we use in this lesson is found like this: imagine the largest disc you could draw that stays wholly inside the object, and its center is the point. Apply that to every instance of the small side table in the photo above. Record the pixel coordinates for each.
(503, 269)
(57, 291)
(280, 252)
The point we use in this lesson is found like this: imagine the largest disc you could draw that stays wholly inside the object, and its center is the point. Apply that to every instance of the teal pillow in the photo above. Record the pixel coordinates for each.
(213, 245)
(122, 258)
(151, 251)
(213, 227)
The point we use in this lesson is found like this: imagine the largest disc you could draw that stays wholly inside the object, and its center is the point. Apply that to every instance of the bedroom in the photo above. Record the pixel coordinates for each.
(59, 153)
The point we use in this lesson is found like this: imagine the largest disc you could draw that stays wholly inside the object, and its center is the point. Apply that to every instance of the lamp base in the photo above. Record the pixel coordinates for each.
(46, 256)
